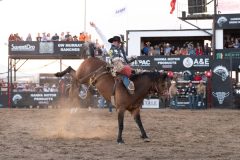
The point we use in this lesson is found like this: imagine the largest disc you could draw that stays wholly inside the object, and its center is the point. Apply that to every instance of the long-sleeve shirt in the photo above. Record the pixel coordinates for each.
(103, 38)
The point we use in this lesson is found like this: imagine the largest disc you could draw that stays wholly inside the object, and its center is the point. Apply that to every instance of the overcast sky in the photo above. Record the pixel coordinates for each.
(51, 16)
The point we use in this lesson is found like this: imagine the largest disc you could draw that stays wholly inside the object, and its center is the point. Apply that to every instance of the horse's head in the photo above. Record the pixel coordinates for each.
(157, 81)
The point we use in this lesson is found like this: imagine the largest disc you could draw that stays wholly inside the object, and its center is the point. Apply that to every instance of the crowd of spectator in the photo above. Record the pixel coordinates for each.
(232, 42)
(167, 49)
(83, 37)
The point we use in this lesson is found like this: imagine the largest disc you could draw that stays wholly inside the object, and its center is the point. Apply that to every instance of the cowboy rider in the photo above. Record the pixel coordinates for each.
(120, 61)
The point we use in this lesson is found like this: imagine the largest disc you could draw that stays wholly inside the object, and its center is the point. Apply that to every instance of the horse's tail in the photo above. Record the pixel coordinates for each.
(69, 70)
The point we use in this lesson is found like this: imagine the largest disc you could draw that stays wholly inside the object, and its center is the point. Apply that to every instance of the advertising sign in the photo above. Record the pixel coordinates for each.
(23, 99)
(222, 96)
(150, 103)
(56, 49)
(176, 63)
(227, 21)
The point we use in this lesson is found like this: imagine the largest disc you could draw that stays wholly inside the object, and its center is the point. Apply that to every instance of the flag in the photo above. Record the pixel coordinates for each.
(120, 10)
(172, 4)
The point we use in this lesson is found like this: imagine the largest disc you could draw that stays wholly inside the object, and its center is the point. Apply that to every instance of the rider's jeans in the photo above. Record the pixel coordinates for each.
(125, 80)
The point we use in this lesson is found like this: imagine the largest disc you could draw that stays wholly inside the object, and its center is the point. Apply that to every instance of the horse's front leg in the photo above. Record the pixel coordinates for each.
(137, 119)
(120, 126)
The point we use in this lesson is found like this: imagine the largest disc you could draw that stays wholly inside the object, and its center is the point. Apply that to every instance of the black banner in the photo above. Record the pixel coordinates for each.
(3, 99)
(221, 84)
(174, 63)
(232, 55)
(54, 49)
(66, 48)
(23, 47)
(23, 99)
(228, 21)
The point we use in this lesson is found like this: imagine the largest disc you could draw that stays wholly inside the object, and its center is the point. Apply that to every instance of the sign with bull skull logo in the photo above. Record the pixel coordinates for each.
(220, 96)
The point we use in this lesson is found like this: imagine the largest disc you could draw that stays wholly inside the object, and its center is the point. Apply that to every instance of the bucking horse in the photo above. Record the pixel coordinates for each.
(94, 71)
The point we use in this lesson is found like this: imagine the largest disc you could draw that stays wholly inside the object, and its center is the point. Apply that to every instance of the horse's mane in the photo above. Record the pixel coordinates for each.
(153, 75)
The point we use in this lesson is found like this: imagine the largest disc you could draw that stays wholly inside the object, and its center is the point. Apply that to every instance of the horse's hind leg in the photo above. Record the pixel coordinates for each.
(137, 119)
(120, 126)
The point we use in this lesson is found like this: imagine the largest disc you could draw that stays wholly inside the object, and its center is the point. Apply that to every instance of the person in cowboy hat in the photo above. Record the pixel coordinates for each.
(120, 61)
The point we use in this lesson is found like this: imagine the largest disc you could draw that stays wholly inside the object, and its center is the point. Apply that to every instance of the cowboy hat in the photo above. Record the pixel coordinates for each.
(115, 38)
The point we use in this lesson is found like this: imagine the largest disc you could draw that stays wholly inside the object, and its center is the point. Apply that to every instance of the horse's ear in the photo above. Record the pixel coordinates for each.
(164, 75)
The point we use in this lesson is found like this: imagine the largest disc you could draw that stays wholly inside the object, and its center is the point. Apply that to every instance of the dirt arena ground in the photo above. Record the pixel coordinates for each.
(64, 134)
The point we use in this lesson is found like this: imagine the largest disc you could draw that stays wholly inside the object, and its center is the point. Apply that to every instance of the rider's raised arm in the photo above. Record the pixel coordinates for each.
(101, 35)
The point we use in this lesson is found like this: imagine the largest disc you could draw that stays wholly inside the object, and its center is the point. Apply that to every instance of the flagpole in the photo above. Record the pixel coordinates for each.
(85, 14)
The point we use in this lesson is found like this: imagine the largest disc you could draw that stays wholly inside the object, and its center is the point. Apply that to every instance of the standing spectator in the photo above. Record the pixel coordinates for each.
(172, 51)
(55, 37)
(206, 49)
(101, 102)
(104, 50)
(11, 37)
(199, 51)
(236, 44)
(157, 50)
(44, 37)
(201, 93)
(151, 52)
(48, 37)
(17, 37)
(110, 106)
(75, 38)
(183, 51)
(82, 37)
(191, 93)
(29, 37)
(146, 49)
(177, 51)
(38, 38)
(62, 36)
(167, 50)
(191, 49)
(173, 91)
(161, 49)
(67, 36)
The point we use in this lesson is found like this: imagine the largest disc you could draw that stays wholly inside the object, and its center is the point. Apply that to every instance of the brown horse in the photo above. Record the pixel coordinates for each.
(96, 72)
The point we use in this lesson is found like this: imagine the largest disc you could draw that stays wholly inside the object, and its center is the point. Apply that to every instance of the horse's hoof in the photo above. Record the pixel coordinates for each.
(57, 74)
(146, 140)
(120, 141)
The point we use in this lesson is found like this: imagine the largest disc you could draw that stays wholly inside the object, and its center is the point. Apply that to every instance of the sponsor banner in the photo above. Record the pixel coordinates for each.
(232, 55)
(221, 84)
(53, 48)
(3, 99)
(23, 99)
(143, 62)
(150, 103)
(23, 47)
(227, 21)
(175, 63)
(68, 48)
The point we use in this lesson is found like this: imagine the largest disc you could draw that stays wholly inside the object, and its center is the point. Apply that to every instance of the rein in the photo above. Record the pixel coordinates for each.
(94, 76)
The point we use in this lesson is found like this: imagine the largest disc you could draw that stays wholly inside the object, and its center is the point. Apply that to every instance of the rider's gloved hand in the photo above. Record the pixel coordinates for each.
(132, 58)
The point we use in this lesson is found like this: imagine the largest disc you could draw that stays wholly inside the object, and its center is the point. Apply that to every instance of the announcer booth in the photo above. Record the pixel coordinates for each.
(27, 50)
(226, 69)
